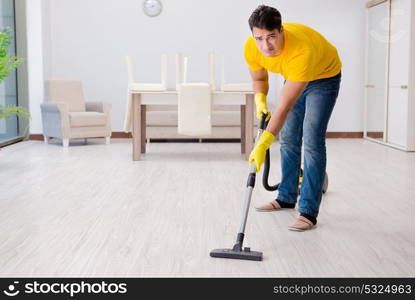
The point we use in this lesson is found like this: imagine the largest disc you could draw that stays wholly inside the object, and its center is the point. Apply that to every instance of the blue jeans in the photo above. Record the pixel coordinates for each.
(307, 121)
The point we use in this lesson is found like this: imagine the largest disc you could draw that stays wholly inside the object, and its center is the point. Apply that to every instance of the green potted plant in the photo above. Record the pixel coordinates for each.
(7, 64)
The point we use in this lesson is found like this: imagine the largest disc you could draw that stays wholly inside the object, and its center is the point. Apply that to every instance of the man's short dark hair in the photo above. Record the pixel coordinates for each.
(265, 17)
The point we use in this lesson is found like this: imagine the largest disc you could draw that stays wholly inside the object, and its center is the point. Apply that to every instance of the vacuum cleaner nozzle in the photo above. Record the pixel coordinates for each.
(246, 253)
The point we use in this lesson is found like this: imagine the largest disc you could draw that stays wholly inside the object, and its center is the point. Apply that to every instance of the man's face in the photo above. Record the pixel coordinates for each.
(267, 41)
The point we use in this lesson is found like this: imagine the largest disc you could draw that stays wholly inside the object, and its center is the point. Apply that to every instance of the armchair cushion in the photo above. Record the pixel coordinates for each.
(86, 119)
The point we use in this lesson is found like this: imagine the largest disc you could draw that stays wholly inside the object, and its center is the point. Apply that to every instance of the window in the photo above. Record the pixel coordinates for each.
(9, 128)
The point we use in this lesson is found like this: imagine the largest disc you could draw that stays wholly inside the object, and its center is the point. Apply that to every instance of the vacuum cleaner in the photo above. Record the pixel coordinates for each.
(238, 251)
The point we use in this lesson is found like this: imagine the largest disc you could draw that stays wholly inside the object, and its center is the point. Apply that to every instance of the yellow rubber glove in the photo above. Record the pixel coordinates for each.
(258, 154)
(261, 106)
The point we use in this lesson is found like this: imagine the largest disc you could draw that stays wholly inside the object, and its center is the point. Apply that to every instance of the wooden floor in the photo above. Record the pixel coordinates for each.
(91, 211)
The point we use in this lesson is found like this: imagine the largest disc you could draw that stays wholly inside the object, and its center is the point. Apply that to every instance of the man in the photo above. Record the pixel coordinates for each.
(311, 68)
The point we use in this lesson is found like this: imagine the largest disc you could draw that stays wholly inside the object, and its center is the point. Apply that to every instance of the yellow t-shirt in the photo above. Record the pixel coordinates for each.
(306, 55)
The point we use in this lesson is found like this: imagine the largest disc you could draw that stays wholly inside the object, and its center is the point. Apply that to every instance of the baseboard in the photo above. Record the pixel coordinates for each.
(192, 140)
(344, 135)
(121, 135)
(125, 135)
(36, 137)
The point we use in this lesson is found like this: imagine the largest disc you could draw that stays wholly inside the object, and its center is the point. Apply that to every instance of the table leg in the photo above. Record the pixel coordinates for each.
(249, 124)
(243, 137)
(136, 98)
(143, 129)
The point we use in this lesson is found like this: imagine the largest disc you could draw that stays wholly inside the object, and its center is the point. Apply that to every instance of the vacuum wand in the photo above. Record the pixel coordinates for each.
(238, 252)
(250, 184)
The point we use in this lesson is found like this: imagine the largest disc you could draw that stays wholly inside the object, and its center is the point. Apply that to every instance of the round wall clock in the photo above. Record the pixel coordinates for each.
(152, 8)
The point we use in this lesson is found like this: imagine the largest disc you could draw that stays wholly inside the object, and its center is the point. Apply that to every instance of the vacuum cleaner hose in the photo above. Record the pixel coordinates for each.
(262, 125)
(265, 175)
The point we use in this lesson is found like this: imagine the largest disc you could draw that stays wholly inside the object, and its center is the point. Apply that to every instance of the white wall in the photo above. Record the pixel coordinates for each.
(88, 39)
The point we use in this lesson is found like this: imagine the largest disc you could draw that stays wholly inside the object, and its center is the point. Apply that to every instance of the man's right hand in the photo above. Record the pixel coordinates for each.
(261, 106)
(257, 155)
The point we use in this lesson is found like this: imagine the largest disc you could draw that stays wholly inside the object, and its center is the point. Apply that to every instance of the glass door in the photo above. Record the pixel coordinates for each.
(9, 128)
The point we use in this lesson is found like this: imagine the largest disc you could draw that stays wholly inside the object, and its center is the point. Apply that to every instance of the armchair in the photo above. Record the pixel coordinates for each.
(66, 115)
